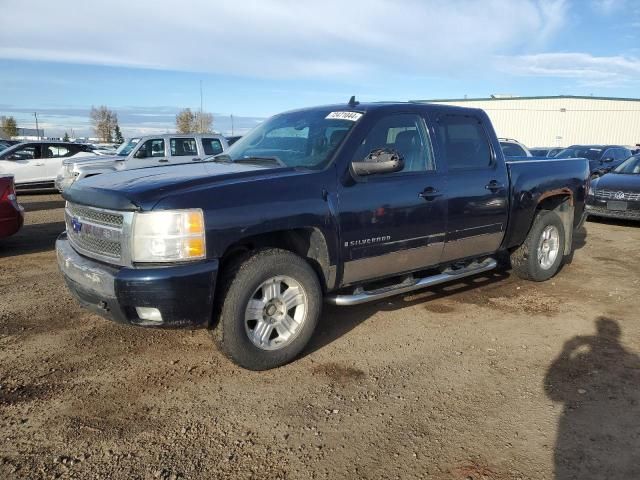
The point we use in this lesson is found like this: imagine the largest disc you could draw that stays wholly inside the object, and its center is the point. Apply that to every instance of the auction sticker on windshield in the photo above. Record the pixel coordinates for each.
(353, 116)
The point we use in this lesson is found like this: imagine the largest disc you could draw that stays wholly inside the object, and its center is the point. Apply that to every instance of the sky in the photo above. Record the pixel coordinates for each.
(146, 59)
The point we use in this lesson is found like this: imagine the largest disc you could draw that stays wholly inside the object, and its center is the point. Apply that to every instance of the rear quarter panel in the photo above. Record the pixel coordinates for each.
(535, 180)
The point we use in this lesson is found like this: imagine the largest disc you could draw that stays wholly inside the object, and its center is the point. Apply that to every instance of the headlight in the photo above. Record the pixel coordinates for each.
(168, 236)
(590, 191)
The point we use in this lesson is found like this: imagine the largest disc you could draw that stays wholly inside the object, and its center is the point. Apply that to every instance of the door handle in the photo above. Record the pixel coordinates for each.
(429, 193)
(163, 160)
(494, 186)
(39, 164)
(196, 159)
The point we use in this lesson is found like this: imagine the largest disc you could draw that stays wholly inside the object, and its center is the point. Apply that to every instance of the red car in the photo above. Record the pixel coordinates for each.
(11, 213)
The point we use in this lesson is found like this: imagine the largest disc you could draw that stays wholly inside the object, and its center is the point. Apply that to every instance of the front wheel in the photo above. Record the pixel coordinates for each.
(542, 252)
(270, 308)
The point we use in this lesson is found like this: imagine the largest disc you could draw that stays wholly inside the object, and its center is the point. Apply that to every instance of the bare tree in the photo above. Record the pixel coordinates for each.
(104, 122)
(194, 122)
(8, 126)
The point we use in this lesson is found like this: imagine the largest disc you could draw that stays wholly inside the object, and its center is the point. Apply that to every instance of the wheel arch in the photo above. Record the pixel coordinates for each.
(561, 202)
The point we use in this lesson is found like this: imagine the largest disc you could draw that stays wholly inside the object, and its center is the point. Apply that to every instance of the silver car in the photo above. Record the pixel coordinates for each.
(144, 152)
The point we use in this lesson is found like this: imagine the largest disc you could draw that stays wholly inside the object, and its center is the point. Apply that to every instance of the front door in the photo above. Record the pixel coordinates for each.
(477, 187)
(395, 222)
(26, 164)
(150, 154)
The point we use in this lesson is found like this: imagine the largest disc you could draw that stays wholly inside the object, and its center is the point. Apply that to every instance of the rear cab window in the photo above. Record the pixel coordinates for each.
(464, 142)
(182, 147)
(212, 146)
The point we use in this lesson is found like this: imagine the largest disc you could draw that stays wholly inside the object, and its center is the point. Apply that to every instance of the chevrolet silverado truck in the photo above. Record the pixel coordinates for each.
(348, 203)
(143, 152)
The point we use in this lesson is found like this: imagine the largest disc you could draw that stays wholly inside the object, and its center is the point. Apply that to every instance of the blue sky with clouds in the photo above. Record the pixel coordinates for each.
(145, 59)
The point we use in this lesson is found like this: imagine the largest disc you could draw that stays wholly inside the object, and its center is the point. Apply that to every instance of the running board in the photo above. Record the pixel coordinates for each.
(362, 296)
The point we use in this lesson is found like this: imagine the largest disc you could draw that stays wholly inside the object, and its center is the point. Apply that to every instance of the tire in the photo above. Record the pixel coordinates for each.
(526, 261)
(255, 303)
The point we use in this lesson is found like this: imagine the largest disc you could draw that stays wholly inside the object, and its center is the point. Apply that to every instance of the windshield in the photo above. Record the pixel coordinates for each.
(125, 149)
(305, 138)
(630, 166)
(512, 150)
(580, 152)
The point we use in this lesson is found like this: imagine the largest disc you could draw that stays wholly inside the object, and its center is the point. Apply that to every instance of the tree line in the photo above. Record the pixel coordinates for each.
(104, 122)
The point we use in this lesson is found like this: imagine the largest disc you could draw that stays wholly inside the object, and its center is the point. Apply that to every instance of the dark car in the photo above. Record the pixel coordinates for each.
(11, 213)
(617, 194)
(349, 203)
(602, 158)
(548, 152)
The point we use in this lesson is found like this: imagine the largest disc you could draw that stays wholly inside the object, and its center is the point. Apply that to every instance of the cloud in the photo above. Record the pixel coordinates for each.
(278, 38)
(607, 7)
(589, 70)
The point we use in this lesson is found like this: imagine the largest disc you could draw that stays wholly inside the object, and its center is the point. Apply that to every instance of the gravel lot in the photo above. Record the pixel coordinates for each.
(494, 378)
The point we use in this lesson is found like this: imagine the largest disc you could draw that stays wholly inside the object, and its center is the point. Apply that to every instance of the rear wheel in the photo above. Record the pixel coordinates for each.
(542, 252)
(270, 307)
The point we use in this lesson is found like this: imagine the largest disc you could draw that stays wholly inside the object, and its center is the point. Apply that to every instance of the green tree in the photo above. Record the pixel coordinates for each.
(118, 138)
(66, 137)
(9, 126)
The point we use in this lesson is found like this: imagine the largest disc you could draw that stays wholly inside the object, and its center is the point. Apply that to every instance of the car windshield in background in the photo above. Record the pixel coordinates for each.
(588, 153)
(125, 149)
(630, 166)
(306, 138)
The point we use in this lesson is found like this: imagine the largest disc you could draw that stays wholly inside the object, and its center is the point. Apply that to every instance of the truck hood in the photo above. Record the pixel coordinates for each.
(94, 160)
(140, 189)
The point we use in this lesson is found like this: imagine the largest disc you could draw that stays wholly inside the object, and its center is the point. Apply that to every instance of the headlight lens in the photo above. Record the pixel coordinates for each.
(590, 191)
(168, 236)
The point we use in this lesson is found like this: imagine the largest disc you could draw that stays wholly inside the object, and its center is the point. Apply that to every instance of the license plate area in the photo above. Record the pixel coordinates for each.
(617, 206)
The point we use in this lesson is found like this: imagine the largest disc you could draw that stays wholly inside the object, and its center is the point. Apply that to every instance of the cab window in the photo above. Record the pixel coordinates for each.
(30, 152)
(464, 142)
(57, 151)
(151, 148)
(181, 147)
(212, 146)
(403, 133)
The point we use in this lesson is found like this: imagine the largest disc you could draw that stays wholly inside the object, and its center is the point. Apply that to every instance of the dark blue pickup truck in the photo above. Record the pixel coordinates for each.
(347, 203)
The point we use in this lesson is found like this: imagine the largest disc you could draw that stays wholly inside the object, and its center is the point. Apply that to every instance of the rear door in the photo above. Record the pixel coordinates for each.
(394, 222)
(183, 149)
(477, 186)
(25, 163)
(54, 154)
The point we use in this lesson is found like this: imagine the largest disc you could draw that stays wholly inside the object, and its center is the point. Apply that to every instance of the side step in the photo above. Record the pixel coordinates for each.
(362, 296)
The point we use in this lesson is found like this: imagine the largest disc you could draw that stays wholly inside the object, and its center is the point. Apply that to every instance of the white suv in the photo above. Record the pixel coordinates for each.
(35, 165)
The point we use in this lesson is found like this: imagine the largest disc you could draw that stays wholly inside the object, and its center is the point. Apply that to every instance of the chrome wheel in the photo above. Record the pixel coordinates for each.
(275, 313)
(548, 247)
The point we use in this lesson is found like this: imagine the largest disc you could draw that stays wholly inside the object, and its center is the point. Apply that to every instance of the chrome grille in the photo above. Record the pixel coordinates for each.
(96, 232)
(611, 195)
(96, 216)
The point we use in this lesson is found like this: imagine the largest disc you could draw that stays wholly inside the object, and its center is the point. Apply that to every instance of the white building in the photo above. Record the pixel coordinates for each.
(560, 121)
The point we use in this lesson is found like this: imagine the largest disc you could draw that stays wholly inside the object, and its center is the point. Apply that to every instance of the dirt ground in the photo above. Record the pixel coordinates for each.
(494, 378)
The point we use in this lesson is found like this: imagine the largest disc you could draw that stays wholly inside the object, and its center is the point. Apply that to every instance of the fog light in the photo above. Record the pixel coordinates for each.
(148, 313)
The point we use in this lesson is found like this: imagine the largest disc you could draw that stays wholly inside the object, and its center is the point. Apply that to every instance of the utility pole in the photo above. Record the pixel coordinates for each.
(35, 114)
(201, 106)
(232, 124)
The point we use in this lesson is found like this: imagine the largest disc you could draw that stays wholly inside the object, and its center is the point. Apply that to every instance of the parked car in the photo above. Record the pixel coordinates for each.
(143, 152)
(602, 158)
(617, 194)
(548, 152)
(352, 202)
(11, 213)
(36, 164)
(513, 148)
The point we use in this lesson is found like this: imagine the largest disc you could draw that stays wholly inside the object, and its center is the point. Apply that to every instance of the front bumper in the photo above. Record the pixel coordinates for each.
(183, 293)
(598, 208)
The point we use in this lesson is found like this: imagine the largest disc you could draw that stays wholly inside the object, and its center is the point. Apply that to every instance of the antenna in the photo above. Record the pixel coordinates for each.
(201, 107)
(353, 102)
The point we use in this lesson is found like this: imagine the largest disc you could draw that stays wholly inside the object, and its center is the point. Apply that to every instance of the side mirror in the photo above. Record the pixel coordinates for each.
(607, 160)
(140, 154)
(378, 161)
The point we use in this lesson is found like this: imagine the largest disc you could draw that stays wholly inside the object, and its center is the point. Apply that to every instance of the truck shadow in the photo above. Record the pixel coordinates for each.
(36, 238)
(597, 381)
(621, 222)
(338, 321)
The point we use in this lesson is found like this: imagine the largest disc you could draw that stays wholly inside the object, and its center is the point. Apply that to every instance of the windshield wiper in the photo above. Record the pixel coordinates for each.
(262, 161)
(222, 158)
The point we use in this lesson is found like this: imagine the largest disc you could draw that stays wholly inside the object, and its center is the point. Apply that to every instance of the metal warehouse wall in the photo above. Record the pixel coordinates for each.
(541, 122)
